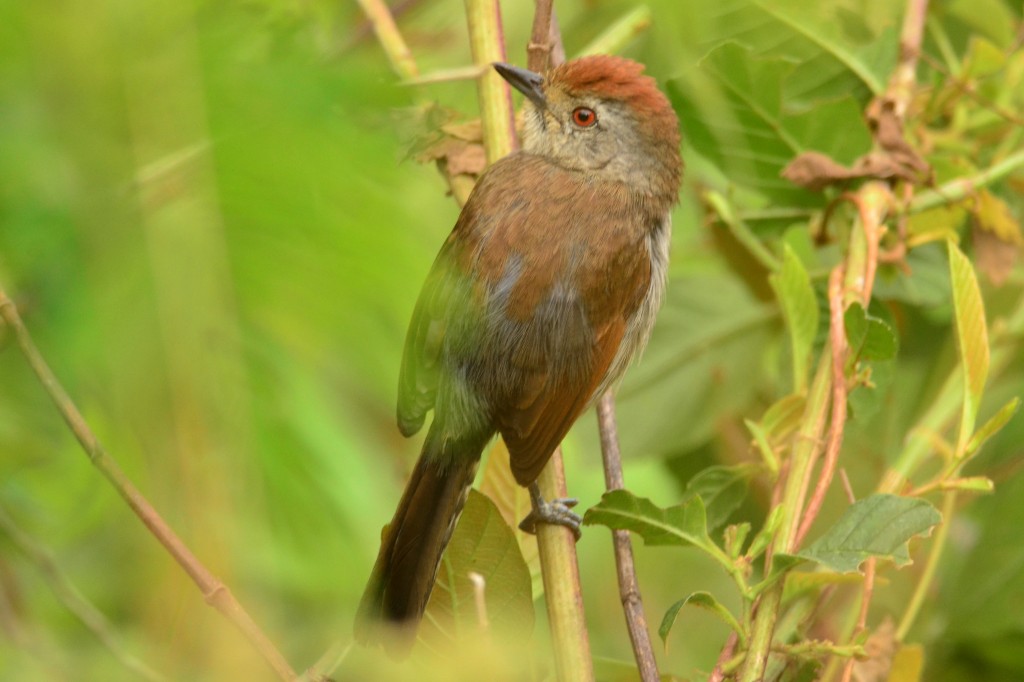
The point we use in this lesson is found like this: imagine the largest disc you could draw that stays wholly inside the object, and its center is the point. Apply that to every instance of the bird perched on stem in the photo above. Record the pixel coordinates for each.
(545, 290)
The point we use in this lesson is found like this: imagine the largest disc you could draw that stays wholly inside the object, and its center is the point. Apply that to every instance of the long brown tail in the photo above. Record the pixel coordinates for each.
(411, 548)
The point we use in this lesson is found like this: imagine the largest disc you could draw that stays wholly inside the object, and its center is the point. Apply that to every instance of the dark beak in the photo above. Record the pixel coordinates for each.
(527, 82)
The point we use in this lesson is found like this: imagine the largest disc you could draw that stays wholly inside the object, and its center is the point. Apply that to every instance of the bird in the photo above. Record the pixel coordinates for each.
(545, 290)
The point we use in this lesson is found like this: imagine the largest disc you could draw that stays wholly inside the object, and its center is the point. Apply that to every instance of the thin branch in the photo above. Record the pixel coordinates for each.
(363, 30)
(538, 51)
(924, 583)
(862, 616)
(901, 84)
(561, 572)
(837, 337)
(390, 39)
(718, 674)
(629, 588)
(214, 591)
(71, 598)
(961, 188)
(328, 662)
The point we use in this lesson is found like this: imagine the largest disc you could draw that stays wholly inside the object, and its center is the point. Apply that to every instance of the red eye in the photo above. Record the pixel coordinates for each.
(584, 117)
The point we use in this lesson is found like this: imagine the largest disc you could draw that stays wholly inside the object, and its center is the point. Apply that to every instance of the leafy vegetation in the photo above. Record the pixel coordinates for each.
(212, 224)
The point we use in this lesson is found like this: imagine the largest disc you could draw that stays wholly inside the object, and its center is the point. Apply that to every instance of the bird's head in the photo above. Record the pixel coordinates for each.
(601, 115)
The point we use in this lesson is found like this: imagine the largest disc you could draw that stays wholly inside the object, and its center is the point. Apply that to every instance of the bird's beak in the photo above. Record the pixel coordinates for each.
(526, 82)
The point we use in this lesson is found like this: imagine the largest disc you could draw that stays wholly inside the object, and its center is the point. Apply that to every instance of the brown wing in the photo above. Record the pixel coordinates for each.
(548, 408)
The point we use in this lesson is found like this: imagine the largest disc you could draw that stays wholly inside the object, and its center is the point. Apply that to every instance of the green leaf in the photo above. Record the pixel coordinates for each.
(783, 417)
(993, 425)
(878, 526)
(764, 447)
(513, 503)
(721, 489)
(704, 600)
(734, 537)
(766, 534)
(869, 338)
(683, 524)
(972, 338)
(781, 565)
(869, 60)
(733, 113)
(482, 543)
(793, 288)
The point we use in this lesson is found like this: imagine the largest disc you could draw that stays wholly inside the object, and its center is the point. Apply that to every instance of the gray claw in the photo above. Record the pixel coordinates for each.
(556, 512)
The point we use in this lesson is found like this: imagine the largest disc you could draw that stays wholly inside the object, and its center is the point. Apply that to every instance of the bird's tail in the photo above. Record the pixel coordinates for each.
(412, 544)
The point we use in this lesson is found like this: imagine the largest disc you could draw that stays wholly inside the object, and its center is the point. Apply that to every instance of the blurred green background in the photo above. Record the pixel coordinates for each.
(210, 224)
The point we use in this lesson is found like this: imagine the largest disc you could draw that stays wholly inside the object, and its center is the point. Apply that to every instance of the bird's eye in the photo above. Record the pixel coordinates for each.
(584, 117)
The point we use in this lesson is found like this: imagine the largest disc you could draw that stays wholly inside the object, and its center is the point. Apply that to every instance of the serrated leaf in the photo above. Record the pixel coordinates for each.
(721, 489)
(993, 426)
(793, 288)
(878, 526)
(972, 338)
(703, 600)
(484, 544)
(683, 524)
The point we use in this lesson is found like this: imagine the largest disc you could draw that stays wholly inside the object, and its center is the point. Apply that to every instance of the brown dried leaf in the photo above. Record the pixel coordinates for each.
(993, 256)
(880, 647)
(457, 148)
(993, 215)
(816, 171)
(996, 237)
(889, 135)
(470, 131)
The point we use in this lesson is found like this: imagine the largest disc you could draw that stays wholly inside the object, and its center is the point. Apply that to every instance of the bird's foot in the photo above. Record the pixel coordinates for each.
(557, 512)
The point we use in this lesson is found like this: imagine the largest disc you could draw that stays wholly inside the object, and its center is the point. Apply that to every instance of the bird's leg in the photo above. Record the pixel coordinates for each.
(557, 512)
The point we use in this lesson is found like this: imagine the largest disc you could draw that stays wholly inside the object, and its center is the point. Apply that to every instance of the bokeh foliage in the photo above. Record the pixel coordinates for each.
(210, 223)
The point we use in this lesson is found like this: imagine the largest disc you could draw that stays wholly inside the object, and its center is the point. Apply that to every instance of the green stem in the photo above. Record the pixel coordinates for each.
(562, 593)
(807, 442)
(958, 189)
(487, 42)
(761, 638)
